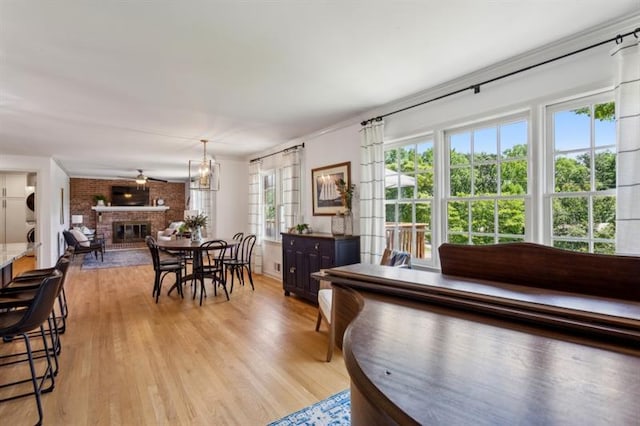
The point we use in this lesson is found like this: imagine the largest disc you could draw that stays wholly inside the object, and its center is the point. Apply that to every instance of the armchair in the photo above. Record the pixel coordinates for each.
(81, 244)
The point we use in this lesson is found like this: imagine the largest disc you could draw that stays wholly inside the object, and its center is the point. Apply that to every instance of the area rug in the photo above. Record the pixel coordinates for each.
(117, 258)
(334, 411)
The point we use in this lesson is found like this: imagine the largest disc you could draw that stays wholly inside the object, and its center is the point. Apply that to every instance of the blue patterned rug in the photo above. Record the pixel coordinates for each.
(117, 258)
(334, 411)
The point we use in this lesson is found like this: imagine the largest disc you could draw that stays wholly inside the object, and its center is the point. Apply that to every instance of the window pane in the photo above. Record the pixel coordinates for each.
(514, 177)
(604, 217)
(572, 129)
(573, 172)
(605, 173)
(425, 185)
(458, 216)
(604, 248)
(424, 158)
(604, 124)
(485, 144)
(460, 148)
(482, 216)
(405, 212)
(480, 240)
(485, 179)
(513, 140)
(511, 217)
(460, 184)
(423, 237)
(390, 213)
(391, 159)
(391, 193)
(407, 158)
(570, 216)
(458, 239)
(580, 246)
(407, 191)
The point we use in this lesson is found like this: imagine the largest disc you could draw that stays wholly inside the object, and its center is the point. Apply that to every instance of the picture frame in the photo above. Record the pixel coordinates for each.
(325, 195)
(61, 206)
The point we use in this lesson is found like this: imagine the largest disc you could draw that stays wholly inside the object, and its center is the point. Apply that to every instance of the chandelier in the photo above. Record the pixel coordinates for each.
(204, 175)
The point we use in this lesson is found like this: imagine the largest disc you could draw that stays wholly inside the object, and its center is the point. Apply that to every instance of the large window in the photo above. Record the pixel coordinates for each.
(582, 192)
(272, 204)
(487, 184)
(409, 195)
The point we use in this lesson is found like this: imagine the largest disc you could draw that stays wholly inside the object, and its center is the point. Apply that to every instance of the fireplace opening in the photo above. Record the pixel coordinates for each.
(130, 232)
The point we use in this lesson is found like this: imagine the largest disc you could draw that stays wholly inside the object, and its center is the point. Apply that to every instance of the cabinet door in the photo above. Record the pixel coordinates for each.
(301, 268)
(288, 262)
(14, 220)
(15, 184)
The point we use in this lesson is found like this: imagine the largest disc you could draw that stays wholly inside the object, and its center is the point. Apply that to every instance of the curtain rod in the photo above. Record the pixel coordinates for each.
(476, 87)
(291, 148)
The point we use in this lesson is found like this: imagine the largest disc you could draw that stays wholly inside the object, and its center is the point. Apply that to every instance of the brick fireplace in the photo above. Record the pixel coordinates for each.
(82, 191)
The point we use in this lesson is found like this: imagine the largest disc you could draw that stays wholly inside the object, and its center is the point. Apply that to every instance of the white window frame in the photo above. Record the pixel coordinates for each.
(527, 196)
(278, 188)
(433, 200)
(550, 194)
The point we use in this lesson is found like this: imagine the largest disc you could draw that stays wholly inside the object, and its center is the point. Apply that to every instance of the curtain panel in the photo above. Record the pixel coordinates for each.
(291, 171)
(372, 214)
(255, 214)
(627, 91)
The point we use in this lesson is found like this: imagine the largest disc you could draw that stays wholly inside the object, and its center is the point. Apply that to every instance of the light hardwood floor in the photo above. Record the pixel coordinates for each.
(126, 360)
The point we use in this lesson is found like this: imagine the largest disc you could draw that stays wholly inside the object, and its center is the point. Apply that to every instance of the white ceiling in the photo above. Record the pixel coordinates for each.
(107, 87)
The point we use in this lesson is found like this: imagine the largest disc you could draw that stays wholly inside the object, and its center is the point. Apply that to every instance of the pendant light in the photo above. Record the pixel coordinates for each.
(204, 175)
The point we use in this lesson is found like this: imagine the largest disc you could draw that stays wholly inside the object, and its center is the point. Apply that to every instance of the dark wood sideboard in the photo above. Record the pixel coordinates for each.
(470, 347)
(303, 254)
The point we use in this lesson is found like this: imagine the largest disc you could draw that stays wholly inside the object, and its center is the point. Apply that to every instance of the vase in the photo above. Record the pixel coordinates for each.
(338, 224)
(196, 234)
(348, 223)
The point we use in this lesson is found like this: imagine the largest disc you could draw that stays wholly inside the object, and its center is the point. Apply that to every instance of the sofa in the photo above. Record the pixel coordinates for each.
(169, 233)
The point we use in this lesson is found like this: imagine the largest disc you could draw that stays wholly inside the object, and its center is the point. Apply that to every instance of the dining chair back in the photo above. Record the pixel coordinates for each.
(163, 268)
(213, 253)
(22, 321)
(236, 267)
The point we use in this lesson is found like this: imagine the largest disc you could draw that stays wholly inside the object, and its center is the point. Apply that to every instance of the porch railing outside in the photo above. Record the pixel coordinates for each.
(409, 237)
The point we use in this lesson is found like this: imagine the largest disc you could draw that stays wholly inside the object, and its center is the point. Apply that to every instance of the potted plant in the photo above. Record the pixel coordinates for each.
(195, 223)
(99, 199)
(303, 228)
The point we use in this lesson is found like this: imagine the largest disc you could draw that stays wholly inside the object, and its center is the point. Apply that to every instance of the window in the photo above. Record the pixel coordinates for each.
(582, 191)
(269, 204)
(487, 182)
(409, 195)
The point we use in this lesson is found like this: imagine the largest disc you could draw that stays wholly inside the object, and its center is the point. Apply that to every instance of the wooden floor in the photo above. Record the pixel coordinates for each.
(126, 360)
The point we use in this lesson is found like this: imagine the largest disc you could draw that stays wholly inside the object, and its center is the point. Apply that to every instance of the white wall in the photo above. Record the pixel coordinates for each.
(50, 179)
(232, 199)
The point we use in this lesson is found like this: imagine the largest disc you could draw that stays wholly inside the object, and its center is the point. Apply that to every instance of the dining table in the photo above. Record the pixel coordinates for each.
(195, 248)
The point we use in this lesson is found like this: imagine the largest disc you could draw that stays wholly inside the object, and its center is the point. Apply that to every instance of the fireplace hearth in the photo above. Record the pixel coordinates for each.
(130, 232)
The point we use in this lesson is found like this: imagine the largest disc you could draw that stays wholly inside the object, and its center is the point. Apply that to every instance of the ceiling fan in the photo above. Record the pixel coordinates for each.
(142, 179)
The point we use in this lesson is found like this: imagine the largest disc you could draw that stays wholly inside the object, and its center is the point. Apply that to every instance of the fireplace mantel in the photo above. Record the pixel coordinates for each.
(101, 209)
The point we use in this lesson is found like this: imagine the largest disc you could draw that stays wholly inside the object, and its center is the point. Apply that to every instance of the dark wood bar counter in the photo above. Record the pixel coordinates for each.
(430, 360)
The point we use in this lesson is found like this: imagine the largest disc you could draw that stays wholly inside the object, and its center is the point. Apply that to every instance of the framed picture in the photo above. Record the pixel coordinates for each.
(326, 198)
(61, 206)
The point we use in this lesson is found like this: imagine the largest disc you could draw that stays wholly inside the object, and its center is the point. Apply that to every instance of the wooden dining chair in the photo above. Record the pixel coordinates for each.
(212, 266)
(242, 261)
(164, 268)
